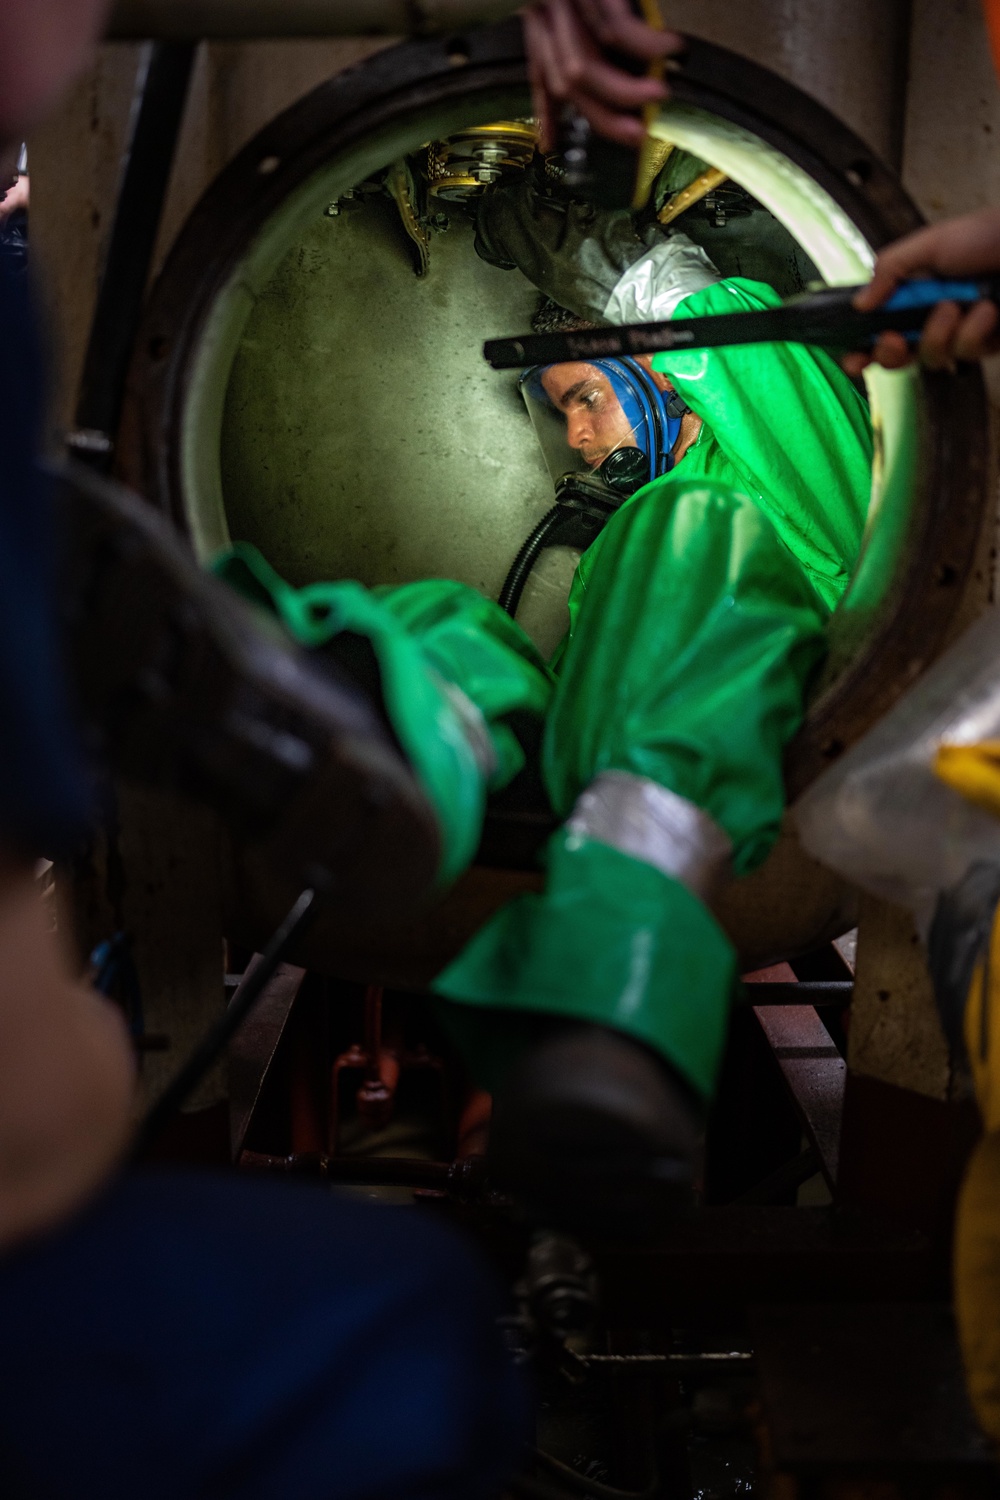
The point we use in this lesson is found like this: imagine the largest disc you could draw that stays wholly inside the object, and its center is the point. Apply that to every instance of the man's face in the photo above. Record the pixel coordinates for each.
(596, 424)
(43, 45)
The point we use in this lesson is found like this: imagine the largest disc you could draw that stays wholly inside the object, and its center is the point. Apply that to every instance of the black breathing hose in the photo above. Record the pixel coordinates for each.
(520, 568)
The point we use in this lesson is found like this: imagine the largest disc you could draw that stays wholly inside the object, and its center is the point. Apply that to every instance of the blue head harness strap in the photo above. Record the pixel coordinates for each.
(654, 415)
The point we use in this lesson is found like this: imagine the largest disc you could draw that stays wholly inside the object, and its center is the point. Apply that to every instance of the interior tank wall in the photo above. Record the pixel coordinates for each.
(362, 435)
(849, 54)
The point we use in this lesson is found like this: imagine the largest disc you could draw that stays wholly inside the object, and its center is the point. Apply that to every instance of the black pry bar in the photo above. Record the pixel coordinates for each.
(832, 993)
(826, 318)
(158, 115)
(219, 1035)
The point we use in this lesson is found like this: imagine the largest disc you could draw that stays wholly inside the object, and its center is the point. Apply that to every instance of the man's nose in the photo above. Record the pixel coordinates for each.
(579, 429)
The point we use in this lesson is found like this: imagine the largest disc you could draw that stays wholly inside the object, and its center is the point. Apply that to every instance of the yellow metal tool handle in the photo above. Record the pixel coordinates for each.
(645, 176)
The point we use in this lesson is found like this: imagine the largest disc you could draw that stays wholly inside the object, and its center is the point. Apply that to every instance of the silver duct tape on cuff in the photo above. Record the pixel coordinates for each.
(641, 818)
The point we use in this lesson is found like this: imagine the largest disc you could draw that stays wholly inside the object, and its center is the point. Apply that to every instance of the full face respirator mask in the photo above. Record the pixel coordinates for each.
(605, 429)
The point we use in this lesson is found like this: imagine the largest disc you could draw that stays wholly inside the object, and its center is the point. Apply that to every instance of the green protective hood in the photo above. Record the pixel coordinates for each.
(609, 940)
(785, 426)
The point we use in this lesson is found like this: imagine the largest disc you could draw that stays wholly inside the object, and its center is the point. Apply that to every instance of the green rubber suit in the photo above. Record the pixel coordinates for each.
(697, 620)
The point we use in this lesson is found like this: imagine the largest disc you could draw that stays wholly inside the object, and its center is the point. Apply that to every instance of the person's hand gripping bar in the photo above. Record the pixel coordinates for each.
(967, 247)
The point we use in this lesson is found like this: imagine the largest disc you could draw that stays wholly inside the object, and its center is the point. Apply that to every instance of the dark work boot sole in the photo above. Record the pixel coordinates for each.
(594, 1134)
(179, 684)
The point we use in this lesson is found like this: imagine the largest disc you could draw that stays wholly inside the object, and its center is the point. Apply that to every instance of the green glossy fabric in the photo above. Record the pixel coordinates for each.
(785, 426)
(428, 638)
(610, 940)
(694, 633)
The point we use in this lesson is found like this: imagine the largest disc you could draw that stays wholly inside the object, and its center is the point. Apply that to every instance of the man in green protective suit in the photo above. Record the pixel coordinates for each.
(596, 1010)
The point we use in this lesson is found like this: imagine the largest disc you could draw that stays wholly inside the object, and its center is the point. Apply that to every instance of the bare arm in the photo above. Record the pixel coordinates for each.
(965, 247)
(66, 1073)
(565, 41)
(16, 197)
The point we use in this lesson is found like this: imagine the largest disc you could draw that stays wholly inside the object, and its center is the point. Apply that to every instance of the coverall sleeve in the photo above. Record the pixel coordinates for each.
(792, 426)
(453, 669)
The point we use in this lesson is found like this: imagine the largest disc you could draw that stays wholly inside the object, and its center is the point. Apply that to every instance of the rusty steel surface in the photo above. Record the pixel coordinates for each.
(904, 1154)
(815, 1073)
(872, 1392)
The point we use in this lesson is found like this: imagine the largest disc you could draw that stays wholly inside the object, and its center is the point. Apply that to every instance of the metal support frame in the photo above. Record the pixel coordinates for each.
(253, 1049)
(815, 993)
(161, 97)
(815, 1074)
(713, 1262)
(218, 1036)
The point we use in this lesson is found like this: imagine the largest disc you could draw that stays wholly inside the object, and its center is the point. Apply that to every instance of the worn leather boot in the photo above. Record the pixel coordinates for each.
(595, 1133)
